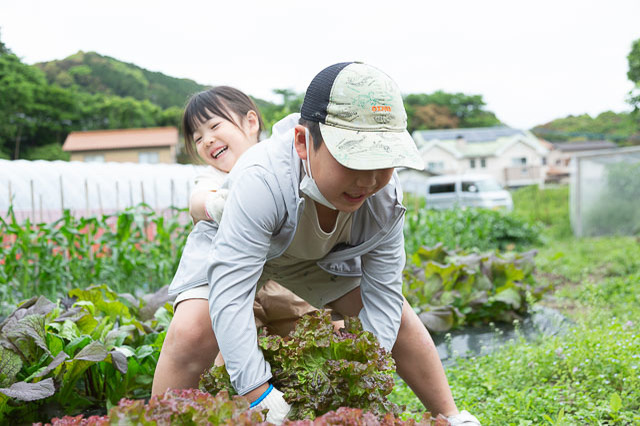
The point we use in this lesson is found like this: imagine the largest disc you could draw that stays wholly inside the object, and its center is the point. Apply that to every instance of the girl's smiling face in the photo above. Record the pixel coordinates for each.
(220, 142)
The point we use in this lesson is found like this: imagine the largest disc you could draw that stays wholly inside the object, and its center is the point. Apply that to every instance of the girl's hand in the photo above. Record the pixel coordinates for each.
(197, 208)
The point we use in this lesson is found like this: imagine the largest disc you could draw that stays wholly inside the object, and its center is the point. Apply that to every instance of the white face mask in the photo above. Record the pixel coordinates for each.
(308, 185)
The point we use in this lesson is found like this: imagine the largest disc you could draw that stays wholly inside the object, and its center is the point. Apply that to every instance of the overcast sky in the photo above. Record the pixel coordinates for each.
(532, 61)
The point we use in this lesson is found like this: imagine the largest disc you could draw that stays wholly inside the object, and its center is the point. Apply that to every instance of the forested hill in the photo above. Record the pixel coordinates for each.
(40, 104)
(95, 73)
(622, 128)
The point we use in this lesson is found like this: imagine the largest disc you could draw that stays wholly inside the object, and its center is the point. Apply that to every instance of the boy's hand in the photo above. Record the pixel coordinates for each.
(464, 418)
(273, 401)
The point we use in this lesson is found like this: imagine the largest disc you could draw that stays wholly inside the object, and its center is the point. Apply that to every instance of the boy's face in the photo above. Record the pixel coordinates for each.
(347, 189)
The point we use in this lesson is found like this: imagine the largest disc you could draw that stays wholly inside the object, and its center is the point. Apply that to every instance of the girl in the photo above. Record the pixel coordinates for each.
(219, 125)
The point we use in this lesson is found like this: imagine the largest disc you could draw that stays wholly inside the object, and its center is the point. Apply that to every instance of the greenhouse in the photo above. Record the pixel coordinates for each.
(605, 193)
(41, 190)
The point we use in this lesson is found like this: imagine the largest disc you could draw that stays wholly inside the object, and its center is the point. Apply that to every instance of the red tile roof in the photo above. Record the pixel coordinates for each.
(98, 140)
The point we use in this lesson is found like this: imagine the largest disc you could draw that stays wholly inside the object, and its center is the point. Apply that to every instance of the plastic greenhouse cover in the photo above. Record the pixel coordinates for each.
(605, 192)
(91, 188)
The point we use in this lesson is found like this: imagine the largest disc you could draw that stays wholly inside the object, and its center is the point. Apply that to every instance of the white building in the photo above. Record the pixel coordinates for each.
(514, 157)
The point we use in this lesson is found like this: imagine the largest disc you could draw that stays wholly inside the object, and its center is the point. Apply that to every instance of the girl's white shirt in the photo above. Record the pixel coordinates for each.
(211, 180)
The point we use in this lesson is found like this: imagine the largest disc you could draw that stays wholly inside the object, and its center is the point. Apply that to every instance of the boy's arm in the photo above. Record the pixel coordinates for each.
(235, 265)
(381, 287)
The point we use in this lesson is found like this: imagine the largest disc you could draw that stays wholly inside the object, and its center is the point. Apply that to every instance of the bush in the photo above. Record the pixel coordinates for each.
(468, 228)
(50, 152)
(549, 206)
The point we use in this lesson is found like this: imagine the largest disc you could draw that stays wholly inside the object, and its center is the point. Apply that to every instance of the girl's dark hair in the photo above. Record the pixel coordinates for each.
(220, 101)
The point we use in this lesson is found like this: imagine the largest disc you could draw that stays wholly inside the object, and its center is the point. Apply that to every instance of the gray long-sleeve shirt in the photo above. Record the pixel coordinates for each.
(259, 221)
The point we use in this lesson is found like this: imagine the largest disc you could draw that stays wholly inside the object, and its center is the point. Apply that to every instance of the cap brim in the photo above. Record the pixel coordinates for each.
(361, 150)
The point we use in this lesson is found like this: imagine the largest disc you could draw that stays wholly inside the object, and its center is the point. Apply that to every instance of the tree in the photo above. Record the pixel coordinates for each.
(274, 112)
(19, 88)
(467, 109)
(3, 48)
(434, 116)
(634, 74)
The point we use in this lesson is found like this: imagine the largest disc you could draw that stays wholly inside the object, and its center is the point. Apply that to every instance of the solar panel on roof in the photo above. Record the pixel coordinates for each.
(470, 135)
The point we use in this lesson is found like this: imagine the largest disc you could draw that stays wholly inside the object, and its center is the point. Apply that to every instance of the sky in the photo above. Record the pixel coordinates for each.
(531, 61)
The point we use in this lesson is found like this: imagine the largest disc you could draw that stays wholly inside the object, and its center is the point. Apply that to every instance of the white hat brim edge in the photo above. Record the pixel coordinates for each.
(356, 149)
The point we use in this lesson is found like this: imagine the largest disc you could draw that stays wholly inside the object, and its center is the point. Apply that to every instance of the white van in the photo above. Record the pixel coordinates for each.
(470, 190)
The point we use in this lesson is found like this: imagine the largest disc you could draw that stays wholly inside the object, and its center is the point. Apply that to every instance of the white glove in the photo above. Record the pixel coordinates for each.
(463, 419)
(275, 403)
(214, 204)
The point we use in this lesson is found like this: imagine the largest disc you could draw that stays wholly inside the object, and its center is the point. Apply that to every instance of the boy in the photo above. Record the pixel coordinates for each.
(326, 222)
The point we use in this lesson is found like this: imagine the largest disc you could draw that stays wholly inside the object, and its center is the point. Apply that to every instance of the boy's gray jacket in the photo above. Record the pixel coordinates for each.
(258, 224)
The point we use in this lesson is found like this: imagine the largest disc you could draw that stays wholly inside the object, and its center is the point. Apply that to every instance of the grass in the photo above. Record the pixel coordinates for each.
(590, 375)
(578, 260)
(574, 379)
(548, 206)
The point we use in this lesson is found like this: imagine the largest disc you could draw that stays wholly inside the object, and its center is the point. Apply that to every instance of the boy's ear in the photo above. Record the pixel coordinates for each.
(299, 141)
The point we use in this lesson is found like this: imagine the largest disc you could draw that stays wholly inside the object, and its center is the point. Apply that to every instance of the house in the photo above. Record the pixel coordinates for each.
(414, 181)
(513, 157)
(561, 153)
(150, 145)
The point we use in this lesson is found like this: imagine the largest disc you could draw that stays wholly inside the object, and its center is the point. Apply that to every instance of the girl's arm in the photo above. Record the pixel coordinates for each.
(197, 208)
(207, 205)
(206, 195)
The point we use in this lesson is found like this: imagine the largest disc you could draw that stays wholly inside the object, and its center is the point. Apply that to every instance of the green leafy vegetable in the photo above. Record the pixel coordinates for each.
(320, 370)
(91, 346)
(451, 288)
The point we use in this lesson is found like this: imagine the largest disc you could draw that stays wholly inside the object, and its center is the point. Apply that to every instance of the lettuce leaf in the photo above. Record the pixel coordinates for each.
(320, 370)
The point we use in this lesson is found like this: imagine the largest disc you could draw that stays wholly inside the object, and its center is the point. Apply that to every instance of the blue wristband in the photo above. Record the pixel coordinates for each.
(262, 397)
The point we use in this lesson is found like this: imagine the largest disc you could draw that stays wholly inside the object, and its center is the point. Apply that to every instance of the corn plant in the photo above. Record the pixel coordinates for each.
(135, 251)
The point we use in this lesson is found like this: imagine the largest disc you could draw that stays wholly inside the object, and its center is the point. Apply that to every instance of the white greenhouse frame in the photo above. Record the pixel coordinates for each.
(581, 185)
(41, 190)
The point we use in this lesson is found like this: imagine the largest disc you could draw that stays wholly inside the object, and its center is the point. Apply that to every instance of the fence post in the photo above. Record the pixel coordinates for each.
(145, 230)
(155, 195)
(117, 197)
(173, 190)
(33, 202)
(130, 194)
(86, 197)
(578, 199)
(61, 195)
(99, 198)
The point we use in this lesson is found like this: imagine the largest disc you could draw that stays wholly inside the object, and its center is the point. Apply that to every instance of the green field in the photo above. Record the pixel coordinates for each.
(590, 375)
(82, 355)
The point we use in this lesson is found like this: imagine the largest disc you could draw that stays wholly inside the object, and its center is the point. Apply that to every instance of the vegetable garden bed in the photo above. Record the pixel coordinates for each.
(94, 346)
